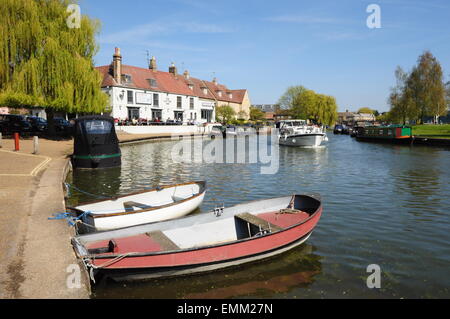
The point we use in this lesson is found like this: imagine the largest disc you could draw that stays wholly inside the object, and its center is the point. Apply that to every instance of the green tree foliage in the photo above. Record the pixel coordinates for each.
(286, 101)
(421, 92)
(366, 110)
(225, 114)
(307, 104)
(256, 114)
(45, 63)
(400, 99)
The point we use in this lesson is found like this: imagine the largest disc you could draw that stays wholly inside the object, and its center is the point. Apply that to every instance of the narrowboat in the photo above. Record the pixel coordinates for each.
(203, 242)
(401, 134)
(95, 143)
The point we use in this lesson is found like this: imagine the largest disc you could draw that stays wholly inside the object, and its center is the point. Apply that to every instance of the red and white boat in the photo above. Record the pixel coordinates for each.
(203, 242)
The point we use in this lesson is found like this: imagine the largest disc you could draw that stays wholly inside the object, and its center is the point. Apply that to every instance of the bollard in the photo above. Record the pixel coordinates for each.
(16, 142)
(36, 145)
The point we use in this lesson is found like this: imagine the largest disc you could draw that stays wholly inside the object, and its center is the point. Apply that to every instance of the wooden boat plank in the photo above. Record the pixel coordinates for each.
(164, 241)
(258, 222)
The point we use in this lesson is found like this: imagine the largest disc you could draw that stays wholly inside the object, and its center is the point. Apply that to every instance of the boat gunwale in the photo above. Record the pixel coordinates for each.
(183, 250)
(202, 190)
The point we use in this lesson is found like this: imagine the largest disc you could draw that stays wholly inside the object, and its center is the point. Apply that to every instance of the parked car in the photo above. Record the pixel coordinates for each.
(38, 124)
(10, 123)
(62, 125)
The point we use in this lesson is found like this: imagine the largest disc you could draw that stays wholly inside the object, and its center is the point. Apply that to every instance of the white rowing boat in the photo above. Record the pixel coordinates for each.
(148, 206)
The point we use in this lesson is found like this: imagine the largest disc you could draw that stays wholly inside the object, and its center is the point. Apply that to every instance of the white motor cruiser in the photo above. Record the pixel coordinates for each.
(300, 133)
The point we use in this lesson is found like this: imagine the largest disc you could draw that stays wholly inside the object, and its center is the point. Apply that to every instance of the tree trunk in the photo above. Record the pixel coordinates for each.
(50, 123)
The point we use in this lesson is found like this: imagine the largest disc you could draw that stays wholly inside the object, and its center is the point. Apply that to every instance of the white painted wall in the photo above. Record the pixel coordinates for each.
(167, 104)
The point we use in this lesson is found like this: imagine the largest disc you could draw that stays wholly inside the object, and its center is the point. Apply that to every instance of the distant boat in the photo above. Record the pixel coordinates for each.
(299, 133)
(341, 129)
(202, 242)
(148, 206)
(390, 134)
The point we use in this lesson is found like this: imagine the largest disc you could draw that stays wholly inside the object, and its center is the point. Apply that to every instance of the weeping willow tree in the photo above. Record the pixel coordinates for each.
(44, 62)
(307, 104)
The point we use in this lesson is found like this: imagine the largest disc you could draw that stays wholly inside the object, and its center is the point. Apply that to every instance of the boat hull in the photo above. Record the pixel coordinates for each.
(201, 242)
(302, 140)
(154, 205)
(145, 217)
(167, 272)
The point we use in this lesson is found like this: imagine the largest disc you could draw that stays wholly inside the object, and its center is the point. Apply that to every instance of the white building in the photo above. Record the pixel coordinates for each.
(157, 95)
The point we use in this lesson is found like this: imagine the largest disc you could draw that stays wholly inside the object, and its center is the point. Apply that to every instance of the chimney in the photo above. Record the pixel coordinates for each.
(152, 65)
(215, 81)
(186, 74)
(173, 69)
(117, 66)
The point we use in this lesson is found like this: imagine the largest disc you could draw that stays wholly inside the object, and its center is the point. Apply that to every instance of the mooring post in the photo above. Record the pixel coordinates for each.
(36, 145)
(16, 142)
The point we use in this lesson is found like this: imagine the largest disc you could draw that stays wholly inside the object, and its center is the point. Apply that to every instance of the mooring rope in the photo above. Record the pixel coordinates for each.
(69, 186)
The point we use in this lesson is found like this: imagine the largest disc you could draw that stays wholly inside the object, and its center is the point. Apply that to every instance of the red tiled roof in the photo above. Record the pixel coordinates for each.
(167, 82)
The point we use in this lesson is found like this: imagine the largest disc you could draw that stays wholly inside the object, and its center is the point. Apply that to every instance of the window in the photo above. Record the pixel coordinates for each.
(98, 127)
(156, 99)
(133, 113)
(126, 78)
(206, 115)
(156, 114)
(152, 82)
(130, 97)
(205, 91)
(179, 102)
(191, 103)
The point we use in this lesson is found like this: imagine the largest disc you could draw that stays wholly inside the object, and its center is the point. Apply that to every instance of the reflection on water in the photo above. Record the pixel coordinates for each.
(383, 204)
(262, 279)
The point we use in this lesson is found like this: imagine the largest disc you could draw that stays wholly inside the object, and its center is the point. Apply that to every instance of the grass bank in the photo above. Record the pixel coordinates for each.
(432, 131)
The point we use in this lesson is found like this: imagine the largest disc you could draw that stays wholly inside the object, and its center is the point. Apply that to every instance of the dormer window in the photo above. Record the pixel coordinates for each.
(191, 86)
(205, 91)
(126, 78)
(152, 82)
(219, 93)
(230, 95)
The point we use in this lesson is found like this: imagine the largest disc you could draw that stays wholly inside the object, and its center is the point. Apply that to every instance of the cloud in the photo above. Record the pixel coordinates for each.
(304, 19)
(142, 32)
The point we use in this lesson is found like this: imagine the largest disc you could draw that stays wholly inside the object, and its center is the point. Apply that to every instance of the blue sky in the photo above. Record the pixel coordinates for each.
(266, 46)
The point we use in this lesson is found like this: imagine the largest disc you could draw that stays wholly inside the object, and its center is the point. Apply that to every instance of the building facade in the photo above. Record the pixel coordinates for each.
(153, 95)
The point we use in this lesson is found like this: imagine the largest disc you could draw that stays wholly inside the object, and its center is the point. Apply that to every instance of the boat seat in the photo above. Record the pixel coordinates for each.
(129, 206)
(164, 241)
(177, 198)
(256, 225)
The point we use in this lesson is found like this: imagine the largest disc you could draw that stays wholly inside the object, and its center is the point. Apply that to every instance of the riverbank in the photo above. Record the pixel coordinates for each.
(432, 131)
(34, 251)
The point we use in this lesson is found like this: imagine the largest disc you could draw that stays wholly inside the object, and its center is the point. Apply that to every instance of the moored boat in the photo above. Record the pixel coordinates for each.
(147, 206)
(400, 134)
(203, 242)
(299, 133)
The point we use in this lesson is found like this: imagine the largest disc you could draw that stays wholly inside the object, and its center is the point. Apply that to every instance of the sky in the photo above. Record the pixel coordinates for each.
(267, 46)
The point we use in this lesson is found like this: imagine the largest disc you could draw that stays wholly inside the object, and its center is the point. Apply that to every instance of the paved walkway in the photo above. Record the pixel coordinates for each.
(34, 251)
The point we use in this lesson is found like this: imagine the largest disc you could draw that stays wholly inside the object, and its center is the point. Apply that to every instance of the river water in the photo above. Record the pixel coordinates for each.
(383, 204)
